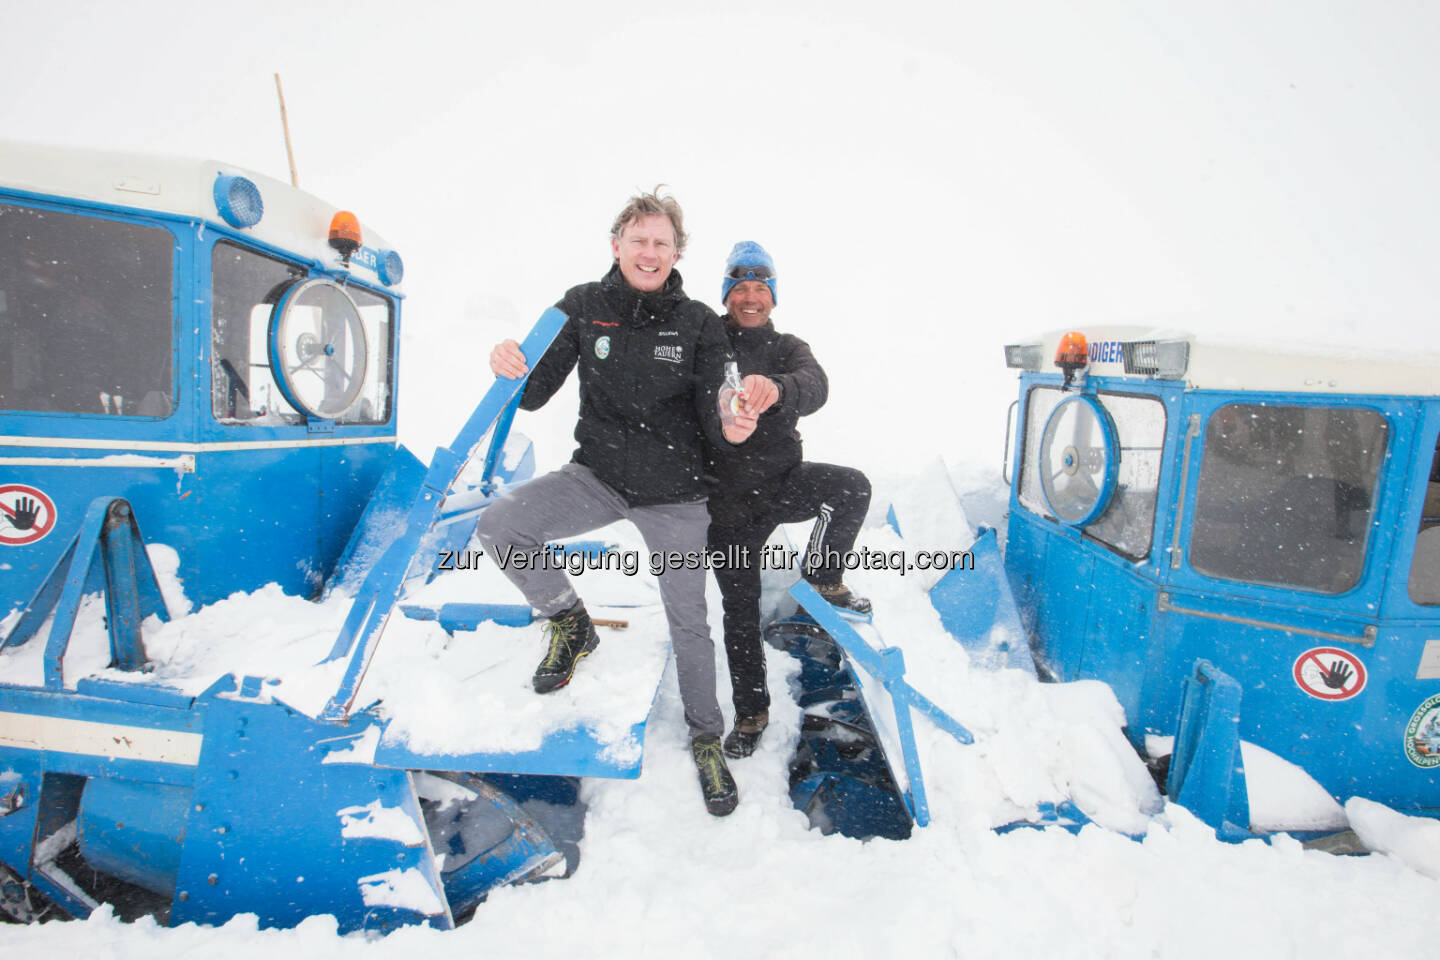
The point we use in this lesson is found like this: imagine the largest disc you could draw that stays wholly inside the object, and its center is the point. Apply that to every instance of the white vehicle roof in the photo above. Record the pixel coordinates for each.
(293, 220)
(1215, 364)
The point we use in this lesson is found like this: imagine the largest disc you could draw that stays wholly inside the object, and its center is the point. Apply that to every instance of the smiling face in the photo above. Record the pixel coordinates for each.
(750, 303)
(646, 252)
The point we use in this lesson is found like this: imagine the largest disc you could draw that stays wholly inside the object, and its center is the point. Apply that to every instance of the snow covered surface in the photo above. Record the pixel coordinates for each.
(404, 889)
(659, 877)
(931, 179)
(379, 821)
(657, 874)
(1282, 795)
(1414, 841)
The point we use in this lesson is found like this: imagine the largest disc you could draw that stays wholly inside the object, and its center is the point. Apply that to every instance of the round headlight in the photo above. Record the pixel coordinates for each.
(391, 269)
(237, 200)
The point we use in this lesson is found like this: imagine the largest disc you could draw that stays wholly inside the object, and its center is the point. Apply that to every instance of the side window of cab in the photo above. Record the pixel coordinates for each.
(1424, 582)
(87, 314)
(1286, 494)
(285, 347)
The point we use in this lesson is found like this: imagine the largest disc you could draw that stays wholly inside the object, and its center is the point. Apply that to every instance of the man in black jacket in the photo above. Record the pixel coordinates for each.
(767, 482)
(651, 362)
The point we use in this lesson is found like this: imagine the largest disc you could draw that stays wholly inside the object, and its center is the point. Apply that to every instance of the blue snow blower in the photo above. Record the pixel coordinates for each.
(1245, 544)
(199, 356)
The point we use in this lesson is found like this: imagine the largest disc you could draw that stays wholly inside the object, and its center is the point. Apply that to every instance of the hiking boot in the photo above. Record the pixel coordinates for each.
(842, 598)
(716, 784)
(572, 636)
(743, 740)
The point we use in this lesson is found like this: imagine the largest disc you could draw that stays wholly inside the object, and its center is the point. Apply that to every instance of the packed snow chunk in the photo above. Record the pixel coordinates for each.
(88, 651)
(361, 749)
(516, 446)
(441, 790)
(1284, 797)
(1108, 780)
(165, 561)
(266, 633)
(380, 822)
(402, 889)
(1281, 794)
(1414, 841)
(483, 677)
(23, 665)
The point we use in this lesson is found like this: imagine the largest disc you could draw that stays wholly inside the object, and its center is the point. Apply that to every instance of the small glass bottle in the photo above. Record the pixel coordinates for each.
(732, 393)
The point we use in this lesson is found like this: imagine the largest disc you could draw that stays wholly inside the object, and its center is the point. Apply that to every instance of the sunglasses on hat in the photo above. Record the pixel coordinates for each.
(742, 272)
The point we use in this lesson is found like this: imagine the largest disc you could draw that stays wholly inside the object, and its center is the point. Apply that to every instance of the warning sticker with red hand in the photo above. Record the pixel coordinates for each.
(1329, 673)
(26, 514)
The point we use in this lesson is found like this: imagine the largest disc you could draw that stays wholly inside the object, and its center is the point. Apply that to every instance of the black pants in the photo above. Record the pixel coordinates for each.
(837, 497)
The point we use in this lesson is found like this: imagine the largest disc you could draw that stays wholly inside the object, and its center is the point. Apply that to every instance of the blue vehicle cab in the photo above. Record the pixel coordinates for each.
(137, 344)
(199, 356)
(1273, 513)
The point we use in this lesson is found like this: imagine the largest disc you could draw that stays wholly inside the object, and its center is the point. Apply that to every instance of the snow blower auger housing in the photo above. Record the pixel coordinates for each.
(1190, 518)
(186, 358)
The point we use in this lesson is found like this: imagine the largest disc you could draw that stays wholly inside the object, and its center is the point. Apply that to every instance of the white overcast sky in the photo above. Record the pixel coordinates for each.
(933, 179)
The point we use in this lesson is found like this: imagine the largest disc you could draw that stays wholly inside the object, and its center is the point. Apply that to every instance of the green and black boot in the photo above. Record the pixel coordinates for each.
(743, 740)
(716, 784)
(572, 636)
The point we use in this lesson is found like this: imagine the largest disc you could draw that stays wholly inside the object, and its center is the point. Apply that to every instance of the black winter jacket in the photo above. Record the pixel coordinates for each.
(651, 365)
(754, 470)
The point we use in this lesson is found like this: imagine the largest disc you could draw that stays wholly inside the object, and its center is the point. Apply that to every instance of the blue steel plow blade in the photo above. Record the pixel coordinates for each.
(422, 506)
(487, 841)
(977, 609)
(888, 667)
(1207, 767)
(840, 777)
(199, 809)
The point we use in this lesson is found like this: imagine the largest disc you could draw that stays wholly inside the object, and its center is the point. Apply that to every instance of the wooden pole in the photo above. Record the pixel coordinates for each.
(285, 123)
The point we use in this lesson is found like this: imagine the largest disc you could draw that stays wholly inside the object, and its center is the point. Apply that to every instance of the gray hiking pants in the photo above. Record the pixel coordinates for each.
(571, 501)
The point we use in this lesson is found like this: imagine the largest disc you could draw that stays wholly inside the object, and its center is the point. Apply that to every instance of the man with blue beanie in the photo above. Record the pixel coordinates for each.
(765, 482)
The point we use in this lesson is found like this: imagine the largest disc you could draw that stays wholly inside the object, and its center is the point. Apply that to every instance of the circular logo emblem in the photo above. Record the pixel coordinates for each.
(1329, 673)
(1422, 734)
(602, 347)
(26, 514)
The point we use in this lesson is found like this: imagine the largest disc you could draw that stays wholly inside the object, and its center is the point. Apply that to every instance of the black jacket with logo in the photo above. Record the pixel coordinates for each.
(651, 365)
(751, 472)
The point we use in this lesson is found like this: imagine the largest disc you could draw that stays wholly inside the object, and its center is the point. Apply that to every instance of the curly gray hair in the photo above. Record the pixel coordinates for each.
(649, 205)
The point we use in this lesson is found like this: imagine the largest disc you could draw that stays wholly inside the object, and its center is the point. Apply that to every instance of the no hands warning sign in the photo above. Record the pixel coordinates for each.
(1329, 673)
(26, 514)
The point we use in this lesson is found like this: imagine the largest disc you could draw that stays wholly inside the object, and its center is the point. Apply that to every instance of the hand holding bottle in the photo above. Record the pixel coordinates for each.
(737, 420)
(760, 393)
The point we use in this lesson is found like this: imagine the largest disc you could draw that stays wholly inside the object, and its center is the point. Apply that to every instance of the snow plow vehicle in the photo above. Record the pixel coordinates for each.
(205, 357)
(1243, 538)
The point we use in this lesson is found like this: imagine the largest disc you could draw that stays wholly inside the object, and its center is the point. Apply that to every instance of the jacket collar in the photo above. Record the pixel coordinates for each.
(750, 335)
(630, 303)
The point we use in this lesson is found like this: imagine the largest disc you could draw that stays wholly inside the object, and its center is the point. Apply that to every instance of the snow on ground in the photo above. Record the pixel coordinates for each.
(658, 876)
(1411, 840)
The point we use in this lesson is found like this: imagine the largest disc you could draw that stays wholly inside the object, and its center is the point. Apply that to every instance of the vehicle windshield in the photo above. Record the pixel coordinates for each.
(86, 314)
(1286, 494)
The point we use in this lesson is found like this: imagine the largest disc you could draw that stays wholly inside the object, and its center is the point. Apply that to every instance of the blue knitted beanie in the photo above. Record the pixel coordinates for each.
(747, 253)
